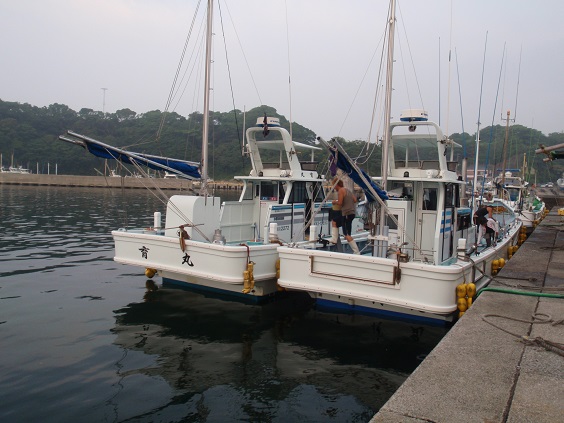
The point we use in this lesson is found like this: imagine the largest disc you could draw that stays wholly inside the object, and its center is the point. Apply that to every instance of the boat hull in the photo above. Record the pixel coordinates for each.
(366, 283)
(530, 218)
(206, 265)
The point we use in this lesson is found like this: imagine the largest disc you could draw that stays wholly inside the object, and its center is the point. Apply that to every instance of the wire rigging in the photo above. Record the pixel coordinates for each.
(229, 73)
(178, 69)
(464, 152)
(244, 55)
(493, 116)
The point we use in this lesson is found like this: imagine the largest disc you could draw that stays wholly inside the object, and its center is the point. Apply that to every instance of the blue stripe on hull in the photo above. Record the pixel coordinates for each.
(219, 293)
(328, 306)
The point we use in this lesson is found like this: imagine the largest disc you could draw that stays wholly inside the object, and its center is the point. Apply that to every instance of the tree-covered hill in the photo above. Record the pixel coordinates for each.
(30, 134)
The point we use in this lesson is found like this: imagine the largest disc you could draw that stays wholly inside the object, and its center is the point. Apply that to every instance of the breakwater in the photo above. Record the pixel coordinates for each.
(125, 182)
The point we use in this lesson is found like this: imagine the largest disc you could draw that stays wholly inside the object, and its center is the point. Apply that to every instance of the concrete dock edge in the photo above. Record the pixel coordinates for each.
(483, 373)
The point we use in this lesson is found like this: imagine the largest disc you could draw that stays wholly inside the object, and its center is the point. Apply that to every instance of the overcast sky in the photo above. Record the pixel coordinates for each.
(66, 51)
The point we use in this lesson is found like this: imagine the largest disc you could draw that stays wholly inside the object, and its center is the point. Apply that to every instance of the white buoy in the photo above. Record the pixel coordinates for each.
(157, 220)
(313, 232)
(273, 232)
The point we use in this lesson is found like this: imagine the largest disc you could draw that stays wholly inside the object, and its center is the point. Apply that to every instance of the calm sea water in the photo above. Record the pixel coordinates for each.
(86, 339)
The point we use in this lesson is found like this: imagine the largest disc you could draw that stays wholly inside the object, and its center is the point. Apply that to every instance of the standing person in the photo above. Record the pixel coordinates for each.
(348, 211)
(483, 211)
(335, 214)
(488, 229)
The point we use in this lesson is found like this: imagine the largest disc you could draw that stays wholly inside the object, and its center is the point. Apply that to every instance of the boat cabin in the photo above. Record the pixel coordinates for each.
(279, 195)
(424, 192)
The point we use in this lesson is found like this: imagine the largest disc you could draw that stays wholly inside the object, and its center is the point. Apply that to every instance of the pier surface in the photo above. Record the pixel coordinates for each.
(485, 373)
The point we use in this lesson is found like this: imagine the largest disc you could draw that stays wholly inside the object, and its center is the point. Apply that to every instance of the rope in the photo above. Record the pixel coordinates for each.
(525, 293)
(536, 318)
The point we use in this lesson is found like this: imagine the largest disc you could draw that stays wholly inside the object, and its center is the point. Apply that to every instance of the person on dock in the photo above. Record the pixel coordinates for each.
(346, 201)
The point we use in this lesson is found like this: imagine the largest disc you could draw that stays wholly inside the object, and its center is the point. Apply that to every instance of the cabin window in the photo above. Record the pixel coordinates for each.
(463, 219)
(449, 196)
(269, 191)
(248, 192)
(390, 223)
(281, 191)
(318, 194)
(513, 194)
(407, 190)
(299, 193)
(429, 198)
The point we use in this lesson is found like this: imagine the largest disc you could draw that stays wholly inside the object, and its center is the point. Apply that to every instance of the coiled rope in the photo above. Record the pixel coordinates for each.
(539, 341)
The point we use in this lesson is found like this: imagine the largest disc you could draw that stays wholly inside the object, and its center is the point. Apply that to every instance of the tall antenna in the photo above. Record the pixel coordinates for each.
(104, 99)
(439, 81)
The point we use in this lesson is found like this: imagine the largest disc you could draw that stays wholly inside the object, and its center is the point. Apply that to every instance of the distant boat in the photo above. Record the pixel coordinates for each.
(19, 169)
(13, 168)
(514, 192)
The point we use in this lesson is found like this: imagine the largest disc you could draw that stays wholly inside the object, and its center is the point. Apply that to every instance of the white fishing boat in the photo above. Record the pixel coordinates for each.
(225, 246)
(514, 192)
(230, 246)
(425, 260)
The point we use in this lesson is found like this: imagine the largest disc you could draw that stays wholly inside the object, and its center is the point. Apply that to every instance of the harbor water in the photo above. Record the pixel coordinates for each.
(86, 339)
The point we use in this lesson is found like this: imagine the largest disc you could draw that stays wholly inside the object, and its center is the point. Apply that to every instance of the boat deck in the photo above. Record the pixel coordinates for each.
(482, 373)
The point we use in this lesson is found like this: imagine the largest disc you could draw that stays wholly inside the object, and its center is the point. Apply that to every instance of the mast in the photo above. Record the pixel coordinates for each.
(477, 156)
(388, 99)
(505, 151)
(205, 123)
(387, 108)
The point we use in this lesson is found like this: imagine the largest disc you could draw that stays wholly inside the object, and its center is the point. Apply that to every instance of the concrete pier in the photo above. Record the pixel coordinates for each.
(177, 184)
(494, 365)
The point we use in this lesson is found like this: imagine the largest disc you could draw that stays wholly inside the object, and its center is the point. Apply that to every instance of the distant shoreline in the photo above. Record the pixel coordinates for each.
(110, 182)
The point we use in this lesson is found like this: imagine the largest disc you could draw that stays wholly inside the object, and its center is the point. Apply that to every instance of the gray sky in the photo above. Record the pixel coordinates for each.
(65, 51)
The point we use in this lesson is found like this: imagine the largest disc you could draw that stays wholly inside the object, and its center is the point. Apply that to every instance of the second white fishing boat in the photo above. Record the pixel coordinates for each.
(425, 260)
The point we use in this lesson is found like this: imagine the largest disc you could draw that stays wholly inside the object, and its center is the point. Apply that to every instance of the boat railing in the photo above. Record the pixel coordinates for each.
(425, 164)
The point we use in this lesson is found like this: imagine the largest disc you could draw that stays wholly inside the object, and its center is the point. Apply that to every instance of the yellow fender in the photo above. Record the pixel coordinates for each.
(461, 291)
(495, 267)
(470, 291)
(248, 278)
(246, 282)
(461, 304)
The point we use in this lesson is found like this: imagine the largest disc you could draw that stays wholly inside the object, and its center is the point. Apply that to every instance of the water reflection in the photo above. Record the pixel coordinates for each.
(281, 360)
(85, 340)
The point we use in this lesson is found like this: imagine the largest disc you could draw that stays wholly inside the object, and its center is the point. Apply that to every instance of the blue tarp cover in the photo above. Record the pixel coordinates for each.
(343, 163)
(153, 162)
